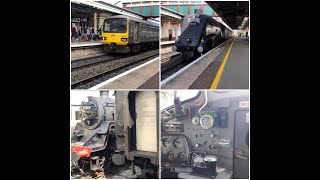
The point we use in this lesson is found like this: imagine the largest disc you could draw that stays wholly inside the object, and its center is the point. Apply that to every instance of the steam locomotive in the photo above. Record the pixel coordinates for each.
(112, 132)
(206, 136)
(200, 33)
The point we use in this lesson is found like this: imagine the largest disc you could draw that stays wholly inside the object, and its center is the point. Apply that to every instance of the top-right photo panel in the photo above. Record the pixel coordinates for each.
(205, 44)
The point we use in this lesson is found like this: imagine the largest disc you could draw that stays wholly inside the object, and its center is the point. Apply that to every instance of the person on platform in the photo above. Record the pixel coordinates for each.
(73, 32)
(77, 33)
(170, 34)
(88, 33)
(247, 35)
(92, 34)
(85, 38)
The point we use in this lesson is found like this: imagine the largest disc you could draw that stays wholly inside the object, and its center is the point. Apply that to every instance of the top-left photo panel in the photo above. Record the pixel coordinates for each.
(114, 44)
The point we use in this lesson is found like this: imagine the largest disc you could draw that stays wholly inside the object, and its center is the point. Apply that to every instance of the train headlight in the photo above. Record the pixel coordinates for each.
(124, 39)
(104, 38)
(174, 48)
(189, 40)
(200, 49)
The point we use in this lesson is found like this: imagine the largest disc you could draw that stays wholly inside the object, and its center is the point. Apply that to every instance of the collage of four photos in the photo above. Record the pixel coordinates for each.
(159, 89)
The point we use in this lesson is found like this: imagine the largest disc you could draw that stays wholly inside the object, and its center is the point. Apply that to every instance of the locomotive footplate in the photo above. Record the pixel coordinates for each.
(187, 173)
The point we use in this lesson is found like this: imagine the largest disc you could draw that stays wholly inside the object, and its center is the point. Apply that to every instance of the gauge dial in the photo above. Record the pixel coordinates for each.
(182, 156)
(177, 143)
(170, 155)
(166, 142)
(195, 120)
(206, 121)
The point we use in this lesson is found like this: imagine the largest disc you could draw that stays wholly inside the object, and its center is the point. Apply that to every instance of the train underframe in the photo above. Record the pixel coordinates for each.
(135, 48)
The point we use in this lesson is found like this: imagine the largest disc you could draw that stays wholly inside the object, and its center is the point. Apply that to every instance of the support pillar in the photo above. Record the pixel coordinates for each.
(95, 24)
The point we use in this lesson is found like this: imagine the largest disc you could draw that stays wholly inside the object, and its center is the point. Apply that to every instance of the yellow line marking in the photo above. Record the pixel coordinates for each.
(215, 83)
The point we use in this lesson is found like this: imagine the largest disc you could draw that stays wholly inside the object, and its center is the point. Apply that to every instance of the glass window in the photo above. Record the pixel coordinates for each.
(115, 25)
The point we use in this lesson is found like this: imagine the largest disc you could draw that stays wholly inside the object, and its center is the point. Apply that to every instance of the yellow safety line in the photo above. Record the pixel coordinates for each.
(215, 83)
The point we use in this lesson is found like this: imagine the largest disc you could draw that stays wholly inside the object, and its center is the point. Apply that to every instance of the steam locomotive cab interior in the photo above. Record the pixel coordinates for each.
(206, 136)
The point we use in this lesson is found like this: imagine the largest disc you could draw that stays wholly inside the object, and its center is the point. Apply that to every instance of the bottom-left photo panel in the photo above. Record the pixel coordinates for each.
(114, 134)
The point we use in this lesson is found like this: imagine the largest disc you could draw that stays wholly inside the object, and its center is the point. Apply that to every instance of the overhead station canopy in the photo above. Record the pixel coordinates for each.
(231, 12)
(170, 13)
(85, 8)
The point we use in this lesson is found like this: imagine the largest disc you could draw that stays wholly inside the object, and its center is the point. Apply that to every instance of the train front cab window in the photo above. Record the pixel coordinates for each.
(115, 25)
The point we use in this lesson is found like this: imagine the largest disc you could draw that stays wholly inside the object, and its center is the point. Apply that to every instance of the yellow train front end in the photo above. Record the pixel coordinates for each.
(115, 35)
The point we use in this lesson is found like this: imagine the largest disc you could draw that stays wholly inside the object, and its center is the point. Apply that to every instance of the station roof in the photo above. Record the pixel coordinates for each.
(87, 8)
(168, 12)
(231, 12)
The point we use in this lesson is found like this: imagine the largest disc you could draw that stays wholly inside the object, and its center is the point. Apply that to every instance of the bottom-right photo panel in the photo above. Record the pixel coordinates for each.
(205, 134)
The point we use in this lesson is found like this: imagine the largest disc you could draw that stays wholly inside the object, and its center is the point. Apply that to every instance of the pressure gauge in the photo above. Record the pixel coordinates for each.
(170, 155)
(166, 142)
(195, 120)
(206, 121)
(177, 143)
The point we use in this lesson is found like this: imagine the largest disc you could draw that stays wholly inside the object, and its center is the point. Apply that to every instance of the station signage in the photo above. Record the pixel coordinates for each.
(75, 19)
(79, 19)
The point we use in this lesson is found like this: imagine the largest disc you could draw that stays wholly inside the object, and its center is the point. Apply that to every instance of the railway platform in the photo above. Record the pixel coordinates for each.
(145, 76)
(86, 44)
(86, 49)
(168, 54)
(166, 46)
(224, 67)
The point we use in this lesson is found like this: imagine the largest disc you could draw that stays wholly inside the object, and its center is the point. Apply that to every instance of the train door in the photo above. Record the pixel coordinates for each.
(241, 145)
(131, 32)
(146, 121)
(136, 32)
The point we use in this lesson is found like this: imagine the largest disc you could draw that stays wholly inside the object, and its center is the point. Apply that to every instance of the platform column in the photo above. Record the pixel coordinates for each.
(95, 24)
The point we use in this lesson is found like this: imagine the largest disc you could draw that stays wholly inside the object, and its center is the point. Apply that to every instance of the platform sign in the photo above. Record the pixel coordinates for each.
(244, 104)
(75, 19)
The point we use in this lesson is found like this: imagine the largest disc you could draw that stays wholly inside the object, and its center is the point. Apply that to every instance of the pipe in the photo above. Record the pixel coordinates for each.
(205, 102)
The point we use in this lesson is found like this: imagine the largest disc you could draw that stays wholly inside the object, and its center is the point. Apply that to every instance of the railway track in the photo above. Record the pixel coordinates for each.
(171, 65)
(76, 64)
(86, 77)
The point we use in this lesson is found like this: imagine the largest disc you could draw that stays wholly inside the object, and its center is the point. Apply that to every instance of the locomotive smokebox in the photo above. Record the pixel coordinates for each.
(211, 164)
